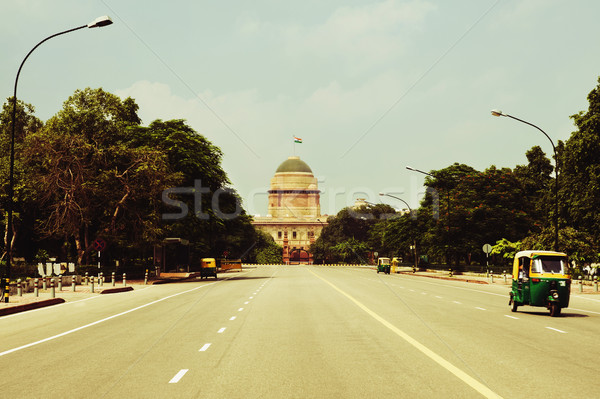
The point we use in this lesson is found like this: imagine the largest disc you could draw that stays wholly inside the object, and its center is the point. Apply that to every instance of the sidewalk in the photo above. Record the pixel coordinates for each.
(29, 301)
(480, 278)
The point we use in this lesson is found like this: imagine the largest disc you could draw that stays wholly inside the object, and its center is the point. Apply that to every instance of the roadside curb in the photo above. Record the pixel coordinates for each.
(30, 306)
(115, 290)
(445, 278)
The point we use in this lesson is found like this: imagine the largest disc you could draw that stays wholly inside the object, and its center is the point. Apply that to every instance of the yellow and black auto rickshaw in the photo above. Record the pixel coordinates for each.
(208, 268)
(540, 278)
(383, 265)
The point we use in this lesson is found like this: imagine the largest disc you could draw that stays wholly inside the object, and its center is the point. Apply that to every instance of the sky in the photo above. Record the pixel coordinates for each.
(369, 86)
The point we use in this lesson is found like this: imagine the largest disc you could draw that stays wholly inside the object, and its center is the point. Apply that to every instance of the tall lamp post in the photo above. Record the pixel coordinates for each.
(414, 245)
(97, 23)
(496, 112)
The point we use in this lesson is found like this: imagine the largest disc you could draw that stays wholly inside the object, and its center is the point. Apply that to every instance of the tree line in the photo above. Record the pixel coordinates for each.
(464, 208)
(94, 171)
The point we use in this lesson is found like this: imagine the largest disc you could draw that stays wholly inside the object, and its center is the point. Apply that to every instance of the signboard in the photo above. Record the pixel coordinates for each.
(487, 248)
(99, 244)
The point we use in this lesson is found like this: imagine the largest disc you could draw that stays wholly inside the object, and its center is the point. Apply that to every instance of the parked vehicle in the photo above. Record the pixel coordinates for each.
(540, 278)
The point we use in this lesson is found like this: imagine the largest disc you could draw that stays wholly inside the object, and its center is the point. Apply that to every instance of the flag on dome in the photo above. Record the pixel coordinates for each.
(297, 140)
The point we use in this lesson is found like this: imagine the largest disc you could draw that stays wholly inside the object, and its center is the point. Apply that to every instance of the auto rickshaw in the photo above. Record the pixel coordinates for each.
(208, 268)
(540, 278)
(383, 265)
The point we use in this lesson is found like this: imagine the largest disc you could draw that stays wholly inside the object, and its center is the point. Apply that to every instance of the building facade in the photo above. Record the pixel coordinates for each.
(294, 217)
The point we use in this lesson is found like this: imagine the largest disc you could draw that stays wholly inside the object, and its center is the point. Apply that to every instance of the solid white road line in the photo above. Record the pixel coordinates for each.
(555, 329)
(466, 378)
(204, 348)
(178, 376)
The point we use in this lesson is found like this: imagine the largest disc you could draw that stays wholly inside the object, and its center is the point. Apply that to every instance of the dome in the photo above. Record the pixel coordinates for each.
(293, 165)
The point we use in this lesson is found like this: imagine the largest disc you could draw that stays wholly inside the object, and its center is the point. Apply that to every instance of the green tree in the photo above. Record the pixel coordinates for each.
(580, 167)
(25, 124)
(266, 251)
(476, 208)
(537, 187)
(506, 250)
(580, 246)
(90, 179)
(216, 222)
(352, 233)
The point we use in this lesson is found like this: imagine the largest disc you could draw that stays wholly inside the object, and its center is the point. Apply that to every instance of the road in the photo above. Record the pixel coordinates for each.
(302, 332)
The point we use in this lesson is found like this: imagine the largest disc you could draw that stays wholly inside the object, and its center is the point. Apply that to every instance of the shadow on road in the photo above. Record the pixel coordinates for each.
(547, 314)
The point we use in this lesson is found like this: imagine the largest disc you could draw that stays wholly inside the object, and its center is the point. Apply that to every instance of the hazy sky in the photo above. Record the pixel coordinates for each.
(370, 86)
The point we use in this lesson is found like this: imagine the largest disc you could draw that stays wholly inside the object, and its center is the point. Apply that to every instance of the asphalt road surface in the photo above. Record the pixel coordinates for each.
(302, 332)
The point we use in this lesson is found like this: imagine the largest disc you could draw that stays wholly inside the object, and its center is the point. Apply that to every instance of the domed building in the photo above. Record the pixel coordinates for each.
(294, 214)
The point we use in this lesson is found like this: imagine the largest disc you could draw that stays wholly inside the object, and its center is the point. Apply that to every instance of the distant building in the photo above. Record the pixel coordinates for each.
(294, 217)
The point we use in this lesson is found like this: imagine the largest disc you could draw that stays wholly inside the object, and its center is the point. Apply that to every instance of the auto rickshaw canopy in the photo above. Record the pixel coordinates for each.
(538, 263)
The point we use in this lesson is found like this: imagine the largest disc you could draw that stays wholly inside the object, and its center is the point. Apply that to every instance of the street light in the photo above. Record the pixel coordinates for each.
(414, 246)
(420, 171)
(399, 199)
(496, 112)
(97, 23)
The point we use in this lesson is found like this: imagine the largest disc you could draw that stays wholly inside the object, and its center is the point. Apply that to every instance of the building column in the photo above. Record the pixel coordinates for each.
(286, 248)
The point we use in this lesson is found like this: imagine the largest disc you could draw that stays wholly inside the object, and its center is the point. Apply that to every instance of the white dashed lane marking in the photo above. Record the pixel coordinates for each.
(178, 376)
(557, 330)
(204, 348)
(221, 330)
(232, 318)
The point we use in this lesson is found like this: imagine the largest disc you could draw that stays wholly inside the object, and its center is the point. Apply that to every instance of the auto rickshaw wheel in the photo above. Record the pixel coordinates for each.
(514, 306)
(554, 309)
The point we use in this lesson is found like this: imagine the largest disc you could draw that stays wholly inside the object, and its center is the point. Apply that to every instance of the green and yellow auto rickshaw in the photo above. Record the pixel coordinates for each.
(540, 278)
(383, 265)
